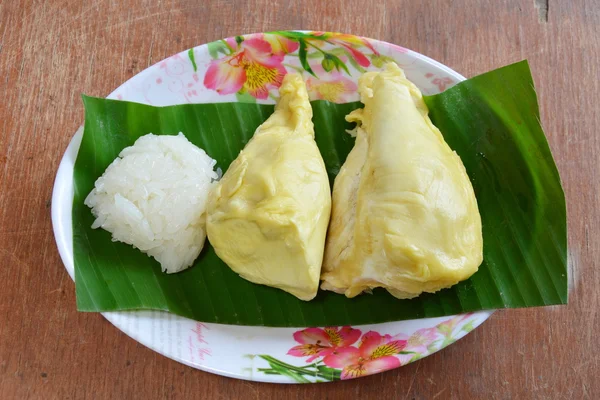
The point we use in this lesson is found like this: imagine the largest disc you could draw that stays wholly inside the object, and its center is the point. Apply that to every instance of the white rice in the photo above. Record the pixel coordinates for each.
(153, 197)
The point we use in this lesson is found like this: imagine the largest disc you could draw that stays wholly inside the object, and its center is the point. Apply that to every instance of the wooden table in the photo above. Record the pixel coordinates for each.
(52, 51)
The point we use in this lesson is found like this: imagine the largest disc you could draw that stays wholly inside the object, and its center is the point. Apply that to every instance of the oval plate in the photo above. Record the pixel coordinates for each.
(246, 68)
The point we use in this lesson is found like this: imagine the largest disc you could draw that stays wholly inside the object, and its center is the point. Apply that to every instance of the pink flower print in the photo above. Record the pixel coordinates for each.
(334, 87)
(281, 45)
(175, 85)
(225, 77)
(353, 40)
(350, 43)
(447, 327)
(173, 65)
(253, 67)
(360, 58)
(376, 353)
(317, 342)
(418, 341)
(417, 344)
(441, 83)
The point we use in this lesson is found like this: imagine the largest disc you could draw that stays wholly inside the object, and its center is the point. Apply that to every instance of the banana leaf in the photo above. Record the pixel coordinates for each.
(491, 121)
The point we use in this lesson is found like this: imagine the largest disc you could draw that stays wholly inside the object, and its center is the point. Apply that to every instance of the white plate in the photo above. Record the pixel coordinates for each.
(247, 69)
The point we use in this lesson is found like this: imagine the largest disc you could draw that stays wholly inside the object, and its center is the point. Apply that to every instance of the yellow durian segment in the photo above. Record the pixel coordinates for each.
(268, 215)
(404, 214)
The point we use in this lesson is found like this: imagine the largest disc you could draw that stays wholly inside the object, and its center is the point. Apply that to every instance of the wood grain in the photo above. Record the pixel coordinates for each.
(52, 51)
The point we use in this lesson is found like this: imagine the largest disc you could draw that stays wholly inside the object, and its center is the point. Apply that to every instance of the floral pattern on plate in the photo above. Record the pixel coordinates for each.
(335, 353)
(255, 64)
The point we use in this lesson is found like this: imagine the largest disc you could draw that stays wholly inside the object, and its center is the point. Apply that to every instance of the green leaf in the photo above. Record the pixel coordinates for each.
(297, 373)
(192, 59)
(268, 371)
(328, 64)
(330, 374)
(298, 36)
(378, 60)
(289, 373)
(338, 51)
(303, 60)
(214, 48)
(431, 347)
(468, 327)
(492, 121)
(336, 62)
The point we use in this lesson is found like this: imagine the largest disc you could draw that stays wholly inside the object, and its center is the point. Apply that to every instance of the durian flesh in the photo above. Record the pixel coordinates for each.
(268, 216)
(404, 214)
